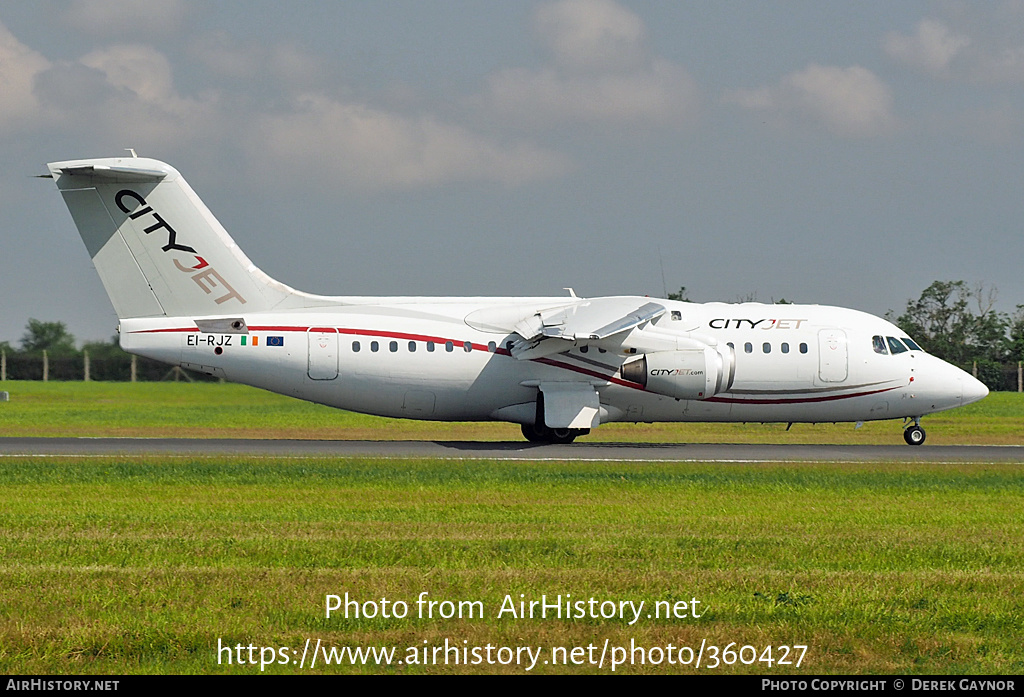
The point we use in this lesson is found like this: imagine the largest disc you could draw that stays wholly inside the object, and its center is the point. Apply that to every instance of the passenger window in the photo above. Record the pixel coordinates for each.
(468, 346)
(355, 347)
(491, 346)
(748, 347)
(430, 347)
(731, 345)
(449, 346)
(912, 344)
(766, 347)
(374, 346)
(895, 346)
(785, 347)
(412, 347)
(878, 343)
(393, 346)
(803, 348)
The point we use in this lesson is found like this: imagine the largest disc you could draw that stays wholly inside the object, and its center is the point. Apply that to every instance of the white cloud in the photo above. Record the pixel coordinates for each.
(996, 53)
(224, 55)
(1005, 66)
(986, 50)
(662, 95)
(19, 66)
(140, 69)
(850, 102)
(126, 17)
(121, 92)
(932, 46)
(601, 73)
(126, 95)
(592, 34)
(365, 146)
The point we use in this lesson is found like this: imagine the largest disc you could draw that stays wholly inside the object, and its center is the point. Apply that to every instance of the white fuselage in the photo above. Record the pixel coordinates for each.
(187, 295)
(450, 359)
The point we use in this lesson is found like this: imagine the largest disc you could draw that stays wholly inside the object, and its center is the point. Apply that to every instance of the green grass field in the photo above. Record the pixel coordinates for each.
(142, 565)
(116, 565)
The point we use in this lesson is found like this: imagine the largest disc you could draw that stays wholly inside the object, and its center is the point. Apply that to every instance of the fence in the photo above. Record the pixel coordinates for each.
(1003, 377)
(118, 368)
(999, 377)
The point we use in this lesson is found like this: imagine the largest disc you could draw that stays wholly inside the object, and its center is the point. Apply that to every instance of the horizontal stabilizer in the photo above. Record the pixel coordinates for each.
(115, 173)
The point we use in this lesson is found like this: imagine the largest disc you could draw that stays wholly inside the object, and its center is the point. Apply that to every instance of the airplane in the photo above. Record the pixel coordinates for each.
(186, 295)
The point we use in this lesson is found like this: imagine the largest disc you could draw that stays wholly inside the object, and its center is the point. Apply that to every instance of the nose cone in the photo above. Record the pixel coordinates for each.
(940, 386)
(974, 390)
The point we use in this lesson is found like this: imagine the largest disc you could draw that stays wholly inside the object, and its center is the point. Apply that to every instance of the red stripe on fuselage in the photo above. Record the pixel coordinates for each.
(165, 331)
(351, 331)
(797, 400)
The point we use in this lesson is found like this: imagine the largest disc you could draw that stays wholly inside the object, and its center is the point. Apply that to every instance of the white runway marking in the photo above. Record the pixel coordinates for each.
(461, 450)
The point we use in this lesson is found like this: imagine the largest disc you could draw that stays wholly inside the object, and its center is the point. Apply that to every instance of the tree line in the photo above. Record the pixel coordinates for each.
(48, 351)
(958, 323)
(951, 320)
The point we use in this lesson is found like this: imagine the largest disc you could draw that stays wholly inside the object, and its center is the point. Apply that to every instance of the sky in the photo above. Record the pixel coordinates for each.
(834, 153)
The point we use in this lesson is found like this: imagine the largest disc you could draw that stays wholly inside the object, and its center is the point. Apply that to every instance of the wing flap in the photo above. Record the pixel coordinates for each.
(549, 332)
(643, 314)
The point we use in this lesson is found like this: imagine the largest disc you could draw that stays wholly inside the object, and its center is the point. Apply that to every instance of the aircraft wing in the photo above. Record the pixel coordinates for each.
(546, 333)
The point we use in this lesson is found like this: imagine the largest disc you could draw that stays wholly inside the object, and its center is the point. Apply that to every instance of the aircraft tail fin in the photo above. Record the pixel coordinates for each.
(158, 249)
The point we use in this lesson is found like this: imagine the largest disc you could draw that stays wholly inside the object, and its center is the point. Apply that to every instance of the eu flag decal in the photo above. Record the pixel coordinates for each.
(275, 341)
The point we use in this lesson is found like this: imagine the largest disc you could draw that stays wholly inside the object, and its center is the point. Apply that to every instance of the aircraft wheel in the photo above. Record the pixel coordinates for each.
(536, 433)
(563, 436)
(914, 435)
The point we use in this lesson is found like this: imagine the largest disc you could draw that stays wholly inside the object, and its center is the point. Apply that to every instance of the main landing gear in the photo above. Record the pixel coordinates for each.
(914, 435)
(539, 433)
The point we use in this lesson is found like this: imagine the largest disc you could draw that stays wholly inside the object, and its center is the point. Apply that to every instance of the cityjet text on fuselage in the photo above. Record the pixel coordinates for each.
(733, 323)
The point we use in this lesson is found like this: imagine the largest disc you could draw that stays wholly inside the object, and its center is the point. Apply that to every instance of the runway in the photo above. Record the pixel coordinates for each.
(463, 450)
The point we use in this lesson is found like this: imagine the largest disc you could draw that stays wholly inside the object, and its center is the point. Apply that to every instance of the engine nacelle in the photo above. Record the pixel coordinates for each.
(696, 373)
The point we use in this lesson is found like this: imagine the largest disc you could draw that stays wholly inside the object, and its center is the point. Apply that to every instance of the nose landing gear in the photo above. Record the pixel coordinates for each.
(914, 435)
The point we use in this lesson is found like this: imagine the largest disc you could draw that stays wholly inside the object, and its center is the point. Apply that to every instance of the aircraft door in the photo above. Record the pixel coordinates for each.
(833, 355)
(323, 353)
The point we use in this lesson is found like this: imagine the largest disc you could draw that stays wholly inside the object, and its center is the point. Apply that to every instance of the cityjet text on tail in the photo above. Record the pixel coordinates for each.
(186, 295)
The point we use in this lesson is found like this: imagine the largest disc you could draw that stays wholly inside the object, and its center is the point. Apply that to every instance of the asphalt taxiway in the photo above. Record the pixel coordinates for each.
(630, 452)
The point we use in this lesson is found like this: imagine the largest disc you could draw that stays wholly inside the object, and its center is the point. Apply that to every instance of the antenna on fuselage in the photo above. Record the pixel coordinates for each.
(661, 261)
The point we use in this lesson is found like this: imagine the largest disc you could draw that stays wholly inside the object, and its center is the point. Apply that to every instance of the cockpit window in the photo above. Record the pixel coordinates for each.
(895, 346)
(878, 343)
(912, 344)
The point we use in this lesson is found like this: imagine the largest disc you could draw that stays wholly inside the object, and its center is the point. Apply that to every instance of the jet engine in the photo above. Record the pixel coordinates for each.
(692, 373)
